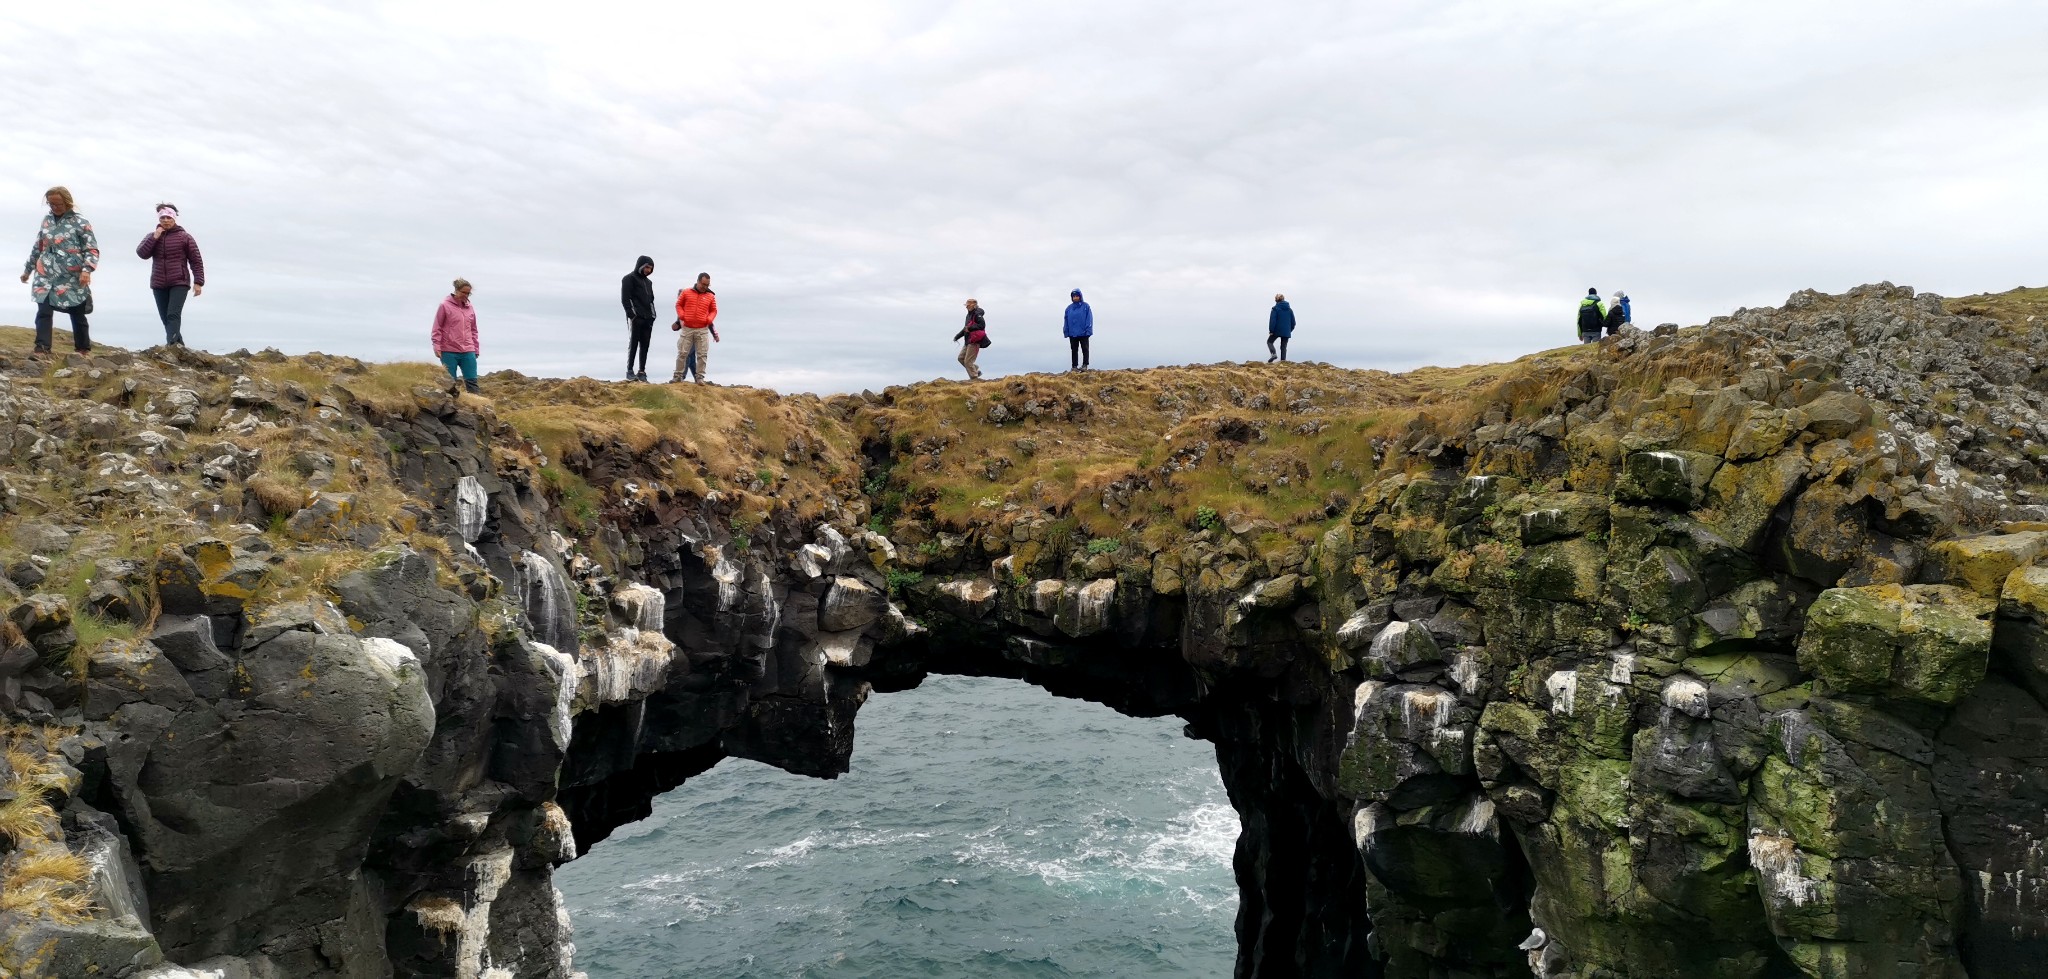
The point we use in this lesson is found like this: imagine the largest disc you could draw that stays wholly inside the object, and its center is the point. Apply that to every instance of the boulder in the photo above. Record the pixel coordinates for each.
(277, 789)
(1928, 643)
(1671, 476)
(1982, 564)
(1084, 609)
(850, 603)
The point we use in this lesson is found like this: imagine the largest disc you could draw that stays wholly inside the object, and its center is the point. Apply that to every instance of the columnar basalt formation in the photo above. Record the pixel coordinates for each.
(1715, 652)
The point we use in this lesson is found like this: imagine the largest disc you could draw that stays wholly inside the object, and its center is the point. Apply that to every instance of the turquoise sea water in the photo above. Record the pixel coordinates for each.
(987, 829)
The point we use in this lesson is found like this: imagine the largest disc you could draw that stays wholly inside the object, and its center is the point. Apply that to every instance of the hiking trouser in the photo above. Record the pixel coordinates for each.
(1592, 337)
(170, 307)
(1077, 351)
(642, 338)
(694, 342)
(460, 364)
(81, 331)
(968, 353)
(1270, 337)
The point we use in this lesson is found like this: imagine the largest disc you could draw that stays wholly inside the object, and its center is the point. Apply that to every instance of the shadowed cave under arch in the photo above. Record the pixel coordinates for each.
(1298, 872)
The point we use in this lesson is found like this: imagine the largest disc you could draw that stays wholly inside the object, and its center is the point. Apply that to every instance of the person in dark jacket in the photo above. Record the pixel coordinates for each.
(1279, 326)
(1591, 316)
(1617, 314)
(1079, 327)
(975, 333)
(636, 293)
(175, 269)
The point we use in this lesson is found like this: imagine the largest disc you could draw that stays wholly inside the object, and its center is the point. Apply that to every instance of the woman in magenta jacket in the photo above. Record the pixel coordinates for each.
(175, 269)
(455, 340)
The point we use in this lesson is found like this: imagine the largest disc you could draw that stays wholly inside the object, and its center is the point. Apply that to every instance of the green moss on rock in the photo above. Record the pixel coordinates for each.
(1916, 642)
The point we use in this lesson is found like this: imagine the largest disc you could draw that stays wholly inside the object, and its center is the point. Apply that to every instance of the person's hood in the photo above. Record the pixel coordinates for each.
(1279, 302)
(455, 300)
(1077, 297)
(642, 263)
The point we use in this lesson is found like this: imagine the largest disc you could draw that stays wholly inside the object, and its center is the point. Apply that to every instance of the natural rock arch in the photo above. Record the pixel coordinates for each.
(1694, 653)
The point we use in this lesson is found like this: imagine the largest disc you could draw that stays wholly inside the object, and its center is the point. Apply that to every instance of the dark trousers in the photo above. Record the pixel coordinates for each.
(170, 307)
(643, 334)
(81, 332)
(1270, 337)
(1077, 350)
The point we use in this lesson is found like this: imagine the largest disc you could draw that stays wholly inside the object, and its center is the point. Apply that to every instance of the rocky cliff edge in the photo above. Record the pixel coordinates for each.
(1717, 651)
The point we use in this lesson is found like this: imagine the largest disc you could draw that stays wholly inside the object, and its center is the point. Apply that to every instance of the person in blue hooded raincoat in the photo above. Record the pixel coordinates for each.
(1080, 326)
(1279, 326)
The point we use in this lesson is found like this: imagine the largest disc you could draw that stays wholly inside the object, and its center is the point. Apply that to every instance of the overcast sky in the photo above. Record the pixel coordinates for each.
(1428, 182)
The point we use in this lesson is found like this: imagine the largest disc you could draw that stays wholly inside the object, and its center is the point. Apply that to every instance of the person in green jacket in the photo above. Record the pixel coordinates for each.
(62, 263)
(1592, 316)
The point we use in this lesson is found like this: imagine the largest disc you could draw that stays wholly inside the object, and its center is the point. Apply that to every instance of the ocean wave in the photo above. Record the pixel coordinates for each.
(798, 850)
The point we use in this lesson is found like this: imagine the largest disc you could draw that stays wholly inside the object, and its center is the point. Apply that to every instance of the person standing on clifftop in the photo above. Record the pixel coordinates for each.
(62, 263)
(975, 332)
(1079, 327)
(1279, 326)
(175, 269)
(696, 316)
(636, 293)
(455, 340)
(1592, 316)
(1617, 314)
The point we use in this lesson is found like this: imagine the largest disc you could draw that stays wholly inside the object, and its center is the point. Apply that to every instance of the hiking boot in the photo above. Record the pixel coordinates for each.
(471, 387)
(1272, 358)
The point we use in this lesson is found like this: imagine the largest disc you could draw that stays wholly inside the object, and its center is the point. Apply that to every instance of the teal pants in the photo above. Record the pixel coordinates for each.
(461, 365)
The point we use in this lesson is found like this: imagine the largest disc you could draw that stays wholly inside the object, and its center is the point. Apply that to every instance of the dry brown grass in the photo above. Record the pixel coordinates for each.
(40, 878)
(695, 439)
(389, 388)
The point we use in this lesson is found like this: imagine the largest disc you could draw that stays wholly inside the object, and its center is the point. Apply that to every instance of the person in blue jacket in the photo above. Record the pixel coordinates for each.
(1279, 326)
(1080, 326)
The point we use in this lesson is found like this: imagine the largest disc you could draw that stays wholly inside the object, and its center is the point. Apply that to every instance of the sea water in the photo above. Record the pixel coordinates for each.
(987, 829)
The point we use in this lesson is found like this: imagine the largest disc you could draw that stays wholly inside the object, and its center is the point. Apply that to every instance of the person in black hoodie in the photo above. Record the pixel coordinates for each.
(636, 293)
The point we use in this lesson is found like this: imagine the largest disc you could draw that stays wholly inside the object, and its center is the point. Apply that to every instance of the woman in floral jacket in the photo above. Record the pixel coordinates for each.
(62, 262)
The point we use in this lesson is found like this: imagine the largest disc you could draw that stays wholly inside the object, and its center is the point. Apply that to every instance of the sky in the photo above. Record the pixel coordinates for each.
(1428, 182)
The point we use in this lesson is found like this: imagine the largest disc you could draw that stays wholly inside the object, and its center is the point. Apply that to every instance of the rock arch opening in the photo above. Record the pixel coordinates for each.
(985, 826)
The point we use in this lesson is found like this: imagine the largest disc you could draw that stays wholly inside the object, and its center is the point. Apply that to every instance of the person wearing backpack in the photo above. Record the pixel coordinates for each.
(1279, 326)
(1617, 314)
(975, 332)
(1592, 316)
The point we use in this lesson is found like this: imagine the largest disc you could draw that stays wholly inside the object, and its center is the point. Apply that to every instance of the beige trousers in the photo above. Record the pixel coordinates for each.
(693, 341)
(968, 353)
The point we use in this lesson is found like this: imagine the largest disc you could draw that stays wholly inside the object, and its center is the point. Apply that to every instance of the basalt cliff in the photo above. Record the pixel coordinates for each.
(1705, 652)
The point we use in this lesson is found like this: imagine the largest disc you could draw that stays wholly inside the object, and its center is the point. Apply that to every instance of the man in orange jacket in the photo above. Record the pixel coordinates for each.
(696, 312)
